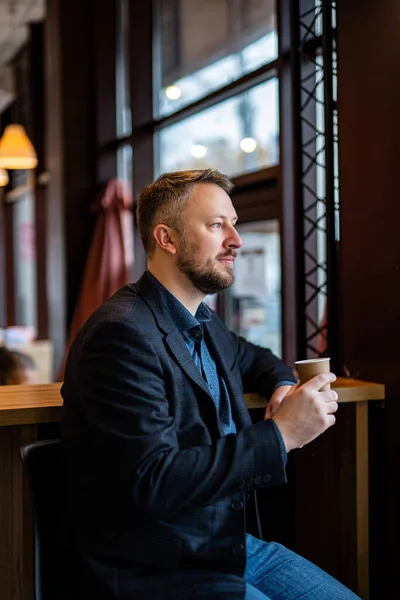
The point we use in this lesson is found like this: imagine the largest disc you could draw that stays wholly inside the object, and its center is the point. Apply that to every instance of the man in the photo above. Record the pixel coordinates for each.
(160, 451)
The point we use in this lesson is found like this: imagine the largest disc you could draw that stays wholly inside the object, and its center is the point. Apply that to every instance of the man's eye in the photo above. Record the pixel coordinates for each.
(216, 225)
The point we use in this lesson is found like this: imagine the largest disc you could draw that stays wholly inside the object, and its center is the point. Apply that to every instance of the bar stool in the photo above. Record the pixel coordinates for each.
(53, 558)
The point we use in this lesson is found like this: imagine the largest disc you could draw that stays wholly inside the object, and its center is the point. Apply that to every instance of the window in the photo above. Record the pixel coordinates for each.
(253, 303)
(124, 172)
(123, 100)
(124, 164)
(206, 45)
(236, 136)
(25, 260)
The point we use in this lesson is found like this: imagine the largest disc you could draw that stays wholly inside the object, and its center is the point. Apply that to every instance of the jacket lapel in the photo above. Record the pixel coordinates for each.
(174, 338)
(240, 411)
(178, 348)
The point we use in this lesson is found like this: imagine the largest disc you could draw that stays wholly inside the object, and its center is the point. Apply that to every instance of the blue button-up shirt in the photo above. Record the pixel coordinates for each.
(192, 330)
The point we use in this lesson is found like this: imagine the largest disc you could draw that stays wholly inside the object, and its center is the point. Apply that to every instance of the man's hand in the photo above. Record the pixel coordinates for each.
(306, 412)
(277, 398)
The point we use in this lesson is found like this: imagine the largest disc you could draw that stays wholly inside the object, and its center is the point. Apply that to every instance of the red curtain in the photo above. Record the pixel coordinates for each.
(110, 259)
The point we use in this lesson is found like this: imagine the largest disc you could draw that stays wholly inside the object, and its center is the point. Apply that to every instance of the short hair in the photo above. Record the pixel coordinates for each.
(11, 362)
(163, 200)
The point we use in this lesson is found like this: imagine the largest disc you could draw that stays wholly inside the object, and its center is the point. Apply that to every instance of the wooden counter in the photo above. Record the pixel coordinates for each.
(342, 452)
(29, 404)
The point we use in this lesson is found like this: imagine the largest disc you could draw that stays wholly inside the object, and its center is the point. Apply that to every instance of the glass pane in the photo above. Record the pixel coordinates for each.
(124, 173)
(25, 261)
(236, 136)
(206, 45)
(253, 303)
(123, 100)
(124, 164)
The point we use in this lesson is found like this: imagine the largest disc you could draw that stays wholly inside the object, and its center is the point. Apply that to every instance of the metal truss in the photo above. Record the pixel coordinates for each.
(318, 192)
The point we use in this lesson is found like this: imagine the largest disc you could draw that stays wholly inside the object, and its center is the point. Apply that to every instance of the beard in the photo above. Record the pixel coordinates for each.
(204, 277)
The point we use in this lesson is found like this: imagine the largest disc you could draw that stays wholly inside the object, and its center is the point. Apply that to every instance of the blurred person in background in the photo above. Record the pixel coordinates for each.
(16, 368)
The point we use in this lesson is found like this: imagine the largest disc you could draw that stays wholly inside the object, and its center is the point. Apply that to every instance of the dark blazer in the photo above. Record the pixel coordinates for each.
(153, 485)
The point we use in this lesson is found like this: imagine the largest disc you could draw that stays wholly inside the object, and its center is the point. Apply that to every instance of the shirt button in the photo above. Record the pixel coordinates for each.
(198, 333)
(238, 549)
(210, 386)
(237, 505)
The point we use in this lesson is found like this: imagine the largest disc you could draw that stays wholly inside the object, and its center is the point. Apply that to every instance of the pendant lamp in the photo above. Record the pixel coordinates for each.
(16, 149)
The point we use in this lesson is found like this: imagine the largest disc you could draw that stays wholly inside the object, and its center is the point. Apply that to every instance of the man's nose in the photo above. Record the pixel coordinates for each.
(233, 240)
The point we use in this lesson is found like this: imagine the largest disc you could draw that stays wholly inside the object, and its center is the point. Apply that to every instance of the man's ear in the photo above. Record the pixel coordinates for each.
(164, 237)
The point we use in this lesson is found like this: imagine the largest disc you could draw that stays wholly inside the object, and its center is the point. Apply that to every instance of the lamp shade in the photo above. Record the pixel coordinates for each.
(16, 149)
(3, 177)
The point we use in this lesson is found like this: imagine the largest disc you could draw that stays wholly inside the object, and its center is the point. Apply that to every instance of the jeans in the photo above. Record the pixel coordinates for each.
(275, 573)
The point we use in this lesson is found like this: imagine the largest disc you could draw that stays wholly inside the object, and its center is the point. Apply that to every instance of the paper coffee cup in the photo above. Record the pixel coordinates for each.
(307, 369)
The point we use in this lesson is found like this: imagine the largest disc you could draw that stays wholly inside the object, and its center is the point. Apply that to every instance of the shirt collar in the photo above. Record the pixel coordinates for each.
(183, 319)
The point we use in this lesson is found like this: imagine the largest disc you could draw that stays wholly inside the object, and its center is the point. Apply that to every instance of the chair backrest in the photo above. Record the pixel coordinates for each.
(43, 463)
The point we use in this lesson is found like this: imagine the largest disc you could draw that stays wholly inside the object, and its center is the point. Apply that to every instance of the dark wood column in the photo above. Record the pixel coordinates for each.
(141, 81)
(80, 110)
(290, 166)
(38, 128)
(369, 155)
(104, 49)
(3, 305)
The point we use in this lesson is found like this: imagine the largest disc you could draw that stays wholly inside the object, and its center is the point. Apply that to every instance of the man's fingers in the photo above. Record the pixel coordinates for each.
(317, 382)
(329, 395)
(331, 420)
(331, 407)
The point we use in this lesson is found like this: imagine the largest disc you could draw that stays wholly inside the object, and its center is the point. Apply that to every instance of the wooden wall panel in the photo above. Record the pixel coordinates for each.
(369, 155)
(16, 525)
